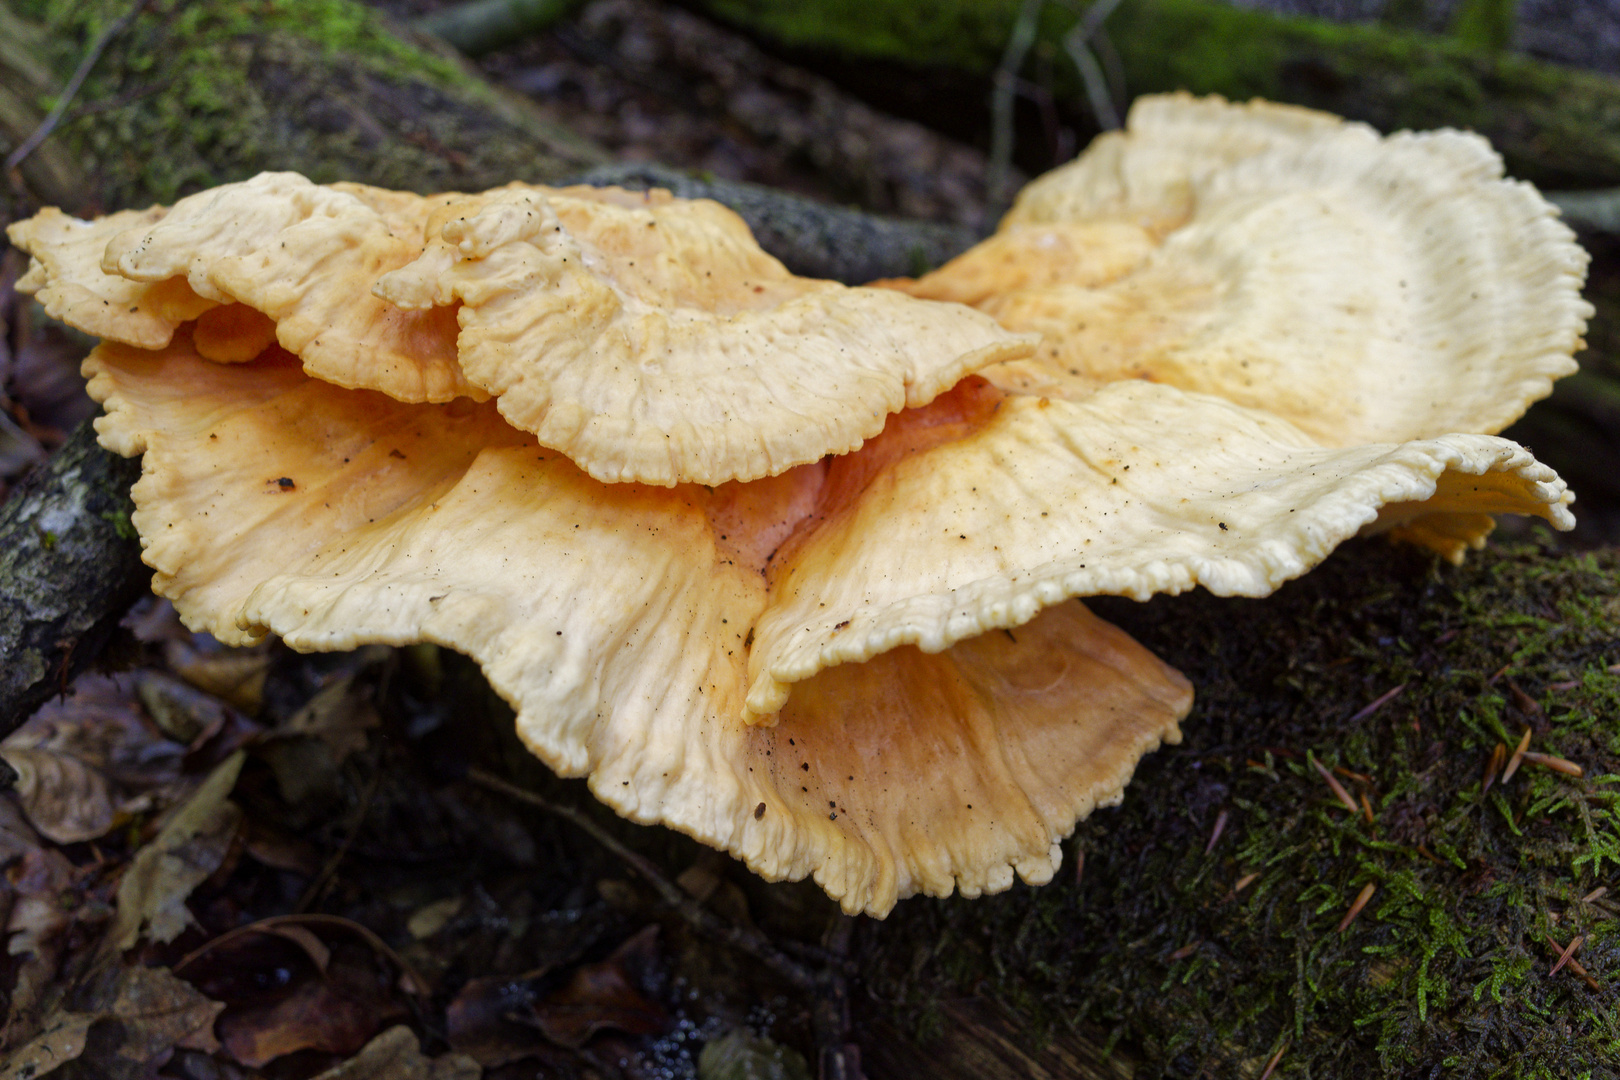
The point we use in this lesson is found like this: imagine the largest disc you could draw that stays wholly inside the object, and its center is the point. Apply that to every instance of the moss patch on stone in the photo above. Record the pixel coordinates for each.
(201, 92)
(1158, 951)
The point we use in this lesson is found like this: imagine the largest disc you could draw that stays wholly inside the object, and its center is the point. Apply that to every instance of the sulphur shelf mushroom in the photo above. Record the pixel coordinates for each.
(731, 542)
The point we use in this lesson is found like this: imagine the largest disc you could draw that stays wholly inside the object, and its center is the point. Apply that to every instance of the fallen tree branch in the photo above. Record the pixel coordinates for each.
(482, 26)
(69, 566)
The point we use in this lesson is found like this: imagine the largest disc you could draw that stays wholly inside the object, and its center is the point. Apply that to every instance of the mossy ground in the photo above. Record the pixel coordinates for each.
(1446, 970)
(200, 92)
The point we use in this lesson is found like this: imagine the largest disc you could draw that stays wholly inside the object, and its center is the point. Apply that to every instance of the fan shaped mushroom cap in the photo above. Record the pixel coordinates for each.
(65, 275)
(651, 339)
(1367, 289)
(615, 619)
(1137, 490)
(796, 668)
(649, 637)
(303, 256)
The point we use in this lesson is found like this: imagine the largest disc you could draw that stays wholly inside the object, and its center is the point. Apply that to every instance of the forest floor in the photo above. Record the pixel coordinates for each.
(309, 854)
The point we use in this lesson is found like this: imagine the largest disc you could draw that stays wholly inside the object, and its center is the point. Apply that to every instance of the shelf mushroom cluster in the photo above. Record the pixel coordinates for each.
(733, 543)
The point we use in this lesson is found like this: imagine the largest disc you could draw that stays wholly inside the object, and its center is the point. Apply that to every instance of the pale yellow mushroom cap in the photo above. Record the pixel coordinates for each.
(797, 668)
(65, 275)
(1366, 289)
(649, 637)
(651, 339)
(617, 619)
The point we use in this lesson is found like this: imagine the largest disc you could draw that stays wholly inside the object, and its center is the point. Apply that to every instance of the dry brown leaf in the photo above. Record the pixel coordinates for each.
(67, 800)
(339, 715)
(161, 1012)
(62, 1040)
(334, 1014)
(152, 1014)
(604, 996)
(395, 1055)
(189, 847)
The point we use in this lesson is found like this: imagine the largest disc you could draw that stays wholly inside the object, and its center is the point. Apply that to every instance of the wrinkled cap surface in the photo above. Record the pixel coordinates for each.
(813, 643)
(304, 257)
(616, 619)
(651, 339)
(65, 276)
(1366, 289)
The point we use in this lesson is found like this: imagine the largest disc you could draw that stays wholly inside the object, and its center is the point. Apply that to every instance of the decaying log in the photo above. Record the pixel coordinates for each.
(69, 566)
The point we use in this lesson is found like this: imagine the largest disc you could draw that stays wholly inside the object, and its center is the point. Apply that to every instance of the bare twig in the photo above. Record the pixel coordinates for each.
(318, 885)
(1518, 756)
(1001, 102)
(1360, 902)
(81, 73)
(697, 916)
(1338, 788)
(1077, 43)
(414, 982)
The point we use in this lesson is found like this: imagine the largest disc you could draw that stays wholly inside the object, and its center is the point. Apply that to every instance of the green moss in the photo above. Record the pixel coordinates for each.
(1554, 125)
(1448, 965)
(200, 92)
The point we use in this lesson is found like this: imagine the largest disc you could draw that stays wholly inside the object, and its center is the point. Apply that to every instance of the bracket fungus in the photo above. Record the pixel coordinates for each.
(732, 542)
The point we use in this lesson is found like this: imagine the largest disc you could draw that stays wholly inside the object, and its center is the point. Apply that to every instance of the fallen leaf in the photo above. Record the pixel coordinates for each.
(189, 847)
(66, 799)
(605, 996)
(429, 919)
(742, 1055)
(160, 1012)
(339, 715)
(181, 711)
(334, 1014)
(144, 1014)
(62, 1040)
(395, 1055)
(103, 725)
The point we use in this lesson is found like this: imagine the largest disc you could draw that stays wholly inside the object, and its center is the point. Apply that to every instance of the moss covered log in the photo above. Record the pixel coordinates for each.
(1204, 934)
(200, 92)
(1556, 126)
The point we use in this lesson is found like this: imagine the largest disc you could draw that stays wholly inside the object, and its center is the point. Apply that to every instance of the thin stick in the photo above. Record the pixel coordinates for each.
(1557, 764)
(418, 985)
(317, 886)
(1568, 953)
(1378, 703)
(1215, 833)
(1338, 788)
(1360, 902)
(696, 915)
(1272, 1064)
(86, 65)
(1518, 756)
(1001, 103)
(1493, 766)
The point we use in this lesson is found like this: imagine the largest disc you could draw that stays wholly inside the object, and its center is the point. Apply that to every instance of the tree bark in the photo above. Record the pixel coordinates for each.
(69, 566)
